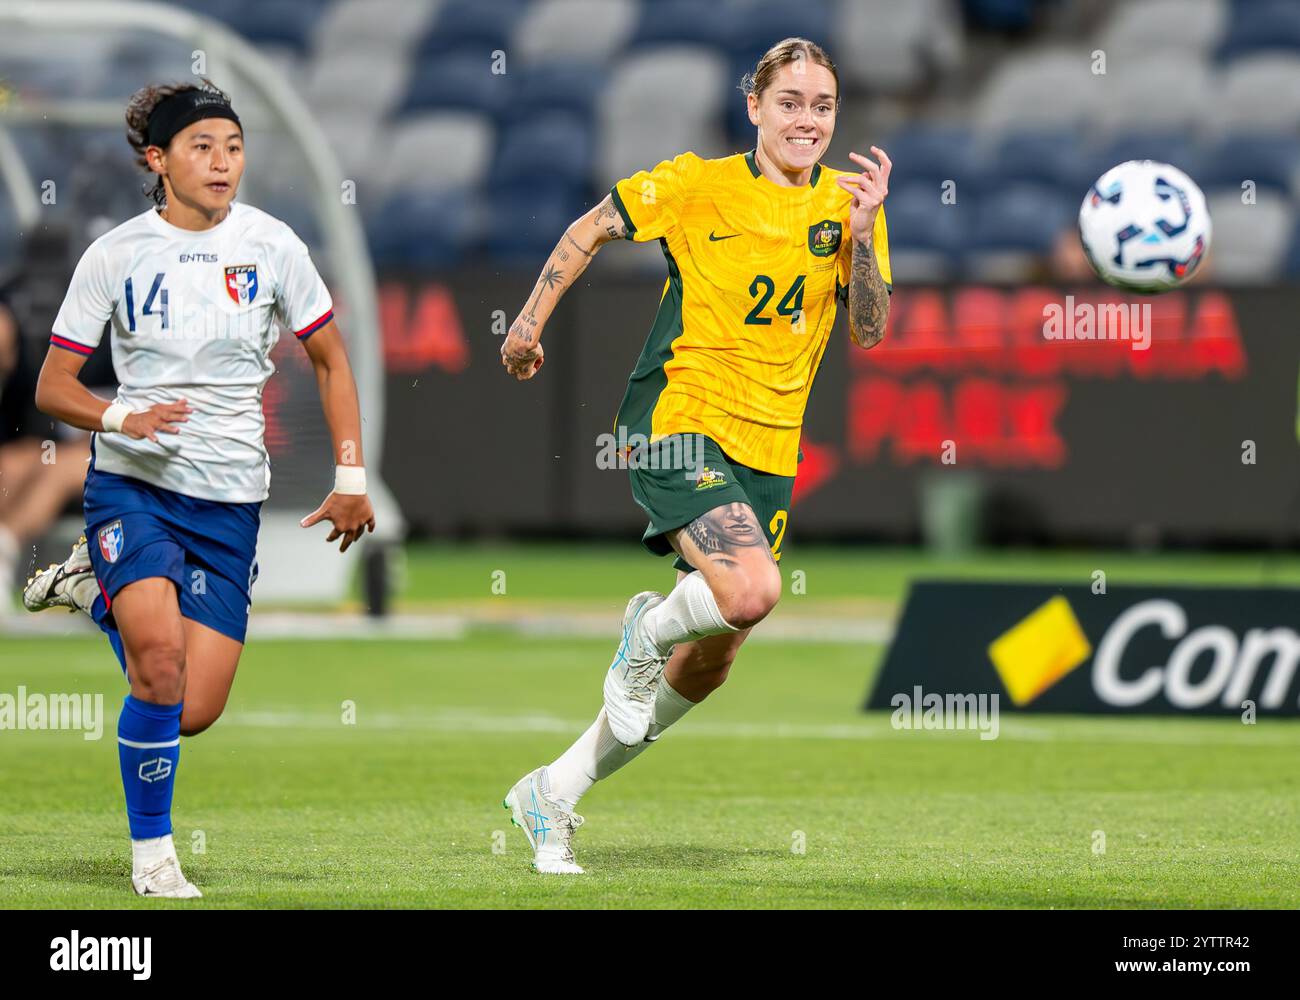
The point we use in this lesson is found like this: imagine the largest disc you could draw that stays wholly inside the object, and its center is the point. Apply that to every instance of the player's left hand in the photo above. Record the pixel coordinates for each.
(868, 189)
(349, 513)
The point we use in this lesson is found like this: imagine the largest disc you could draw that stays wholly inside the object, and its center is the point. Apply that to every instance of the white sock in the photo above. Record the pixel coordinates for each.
(597, 754)
(147, 853)
(689, 612)
(84, 593)
(10, 551)
(10, 546)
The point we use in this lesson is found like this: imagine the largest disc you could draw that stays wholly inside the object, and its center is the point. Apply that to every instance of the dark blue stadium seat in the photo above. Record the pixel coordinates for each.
(550, 87)
(461, 81)
(1091, 161)
(555, 149)
(1293, 257)
(919, 220)
(1260, 26)
(228, 12)
(1271, 161)
(426, 229)
(1020, 217)
(472, 27)
(931, 153)
(1000, 15)
(758, 26)
(523, 228)
(276, 22)
(1040, 156)
(687, 21)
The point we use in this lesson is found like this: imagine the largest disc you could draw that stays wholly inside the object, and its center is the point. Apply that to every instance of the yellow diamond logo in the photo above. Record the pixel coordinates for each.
(1032, 656)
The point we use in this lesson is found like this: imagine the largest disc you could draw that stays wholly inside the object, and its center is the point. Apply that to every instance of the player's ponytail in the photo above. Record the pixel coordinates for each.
(783, 53)
(138, 111)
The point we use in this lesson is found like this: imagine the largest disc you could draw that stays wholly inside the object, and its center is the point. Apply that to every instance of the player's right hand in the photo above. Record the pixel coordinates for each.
(159, 418)
(522, 353)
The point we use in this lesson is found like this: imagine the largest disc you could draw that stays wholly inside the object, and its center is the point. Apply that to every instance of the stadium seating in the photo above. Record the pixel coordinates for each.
(457, 80)
(474, 103)
(1250, 240)
(1194, 26)
(417, 228)
(1039, 88)
(643, 112)
(1258, 93)
(883, 45)
(437, 151)
(685, 21)
(1262, 26)
(1161, 92)
(563, 86)
(586, 30)
(467, 28)
(1269, 160)
(391, 27)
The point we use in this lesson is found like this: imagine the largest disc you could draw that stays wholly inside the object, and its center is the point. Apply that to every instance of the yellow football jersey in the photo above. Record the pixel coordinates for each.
(754, 270)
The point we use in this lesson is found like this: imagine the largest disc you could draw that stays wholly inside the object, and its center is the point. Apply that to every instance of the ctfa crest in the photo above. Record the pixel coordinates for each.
(824, 238)
(110, 541)
(241, 283)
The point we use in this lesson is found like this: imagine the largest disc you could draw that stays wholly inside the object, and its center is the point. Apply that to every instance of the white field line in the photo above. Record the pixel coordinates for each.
(1226, 733)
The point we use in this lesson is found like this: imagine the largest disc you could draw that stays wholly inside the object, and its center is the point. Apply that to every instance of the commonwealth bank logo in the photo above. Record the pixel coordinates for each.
(1038, 651)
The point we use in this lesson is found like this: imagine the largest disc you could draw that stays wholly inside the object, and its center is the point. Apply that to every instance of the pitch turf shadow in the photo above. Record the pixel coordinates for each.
(107, 872)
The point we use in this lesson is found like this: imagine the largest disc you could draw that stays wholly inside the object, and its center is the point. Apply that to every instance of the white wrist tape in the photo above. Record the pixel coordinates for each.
(350, 479)
(114, 417)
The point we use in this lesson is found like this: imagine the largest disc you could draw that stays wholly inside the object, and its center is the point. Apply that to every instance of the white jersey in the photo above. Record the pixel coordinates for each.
(194, 316)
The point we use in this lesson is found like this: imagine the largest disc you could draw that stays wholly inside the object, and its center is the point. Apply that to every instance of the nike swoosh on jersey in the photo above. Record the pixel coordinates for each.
(714, 239)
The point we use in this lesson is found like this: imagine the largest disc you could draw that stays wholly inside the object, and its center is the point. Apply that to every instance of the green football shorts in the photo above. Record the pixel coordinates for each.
(683, 476)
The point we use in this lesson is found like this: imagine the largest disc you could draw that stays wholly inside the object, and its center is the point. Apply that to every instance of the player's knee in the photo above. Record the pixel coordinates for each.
(159, 670)
(750, 604)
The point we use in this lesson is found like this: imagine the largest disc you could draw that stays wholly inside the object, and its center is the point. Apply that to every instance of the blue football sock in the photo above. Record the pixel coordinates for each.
(148, 748)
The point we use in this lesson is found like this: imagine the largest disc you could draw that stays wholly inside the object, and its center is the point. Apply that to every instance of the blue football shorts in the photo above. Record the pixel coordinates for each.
(208, 548)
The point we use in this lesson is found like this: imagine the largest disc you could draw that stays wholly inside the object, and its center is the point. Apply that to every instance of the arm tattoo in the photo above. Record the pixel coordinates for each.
(577, 246)
(608, 219)
(552, 277)
(868, 298)
(724, 531)
(525, 332)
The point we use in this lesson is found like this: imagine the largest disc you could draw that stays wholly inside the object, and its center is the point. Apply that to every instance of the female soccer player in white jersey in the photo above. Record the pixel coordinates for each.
(190, 292)
(759, 246)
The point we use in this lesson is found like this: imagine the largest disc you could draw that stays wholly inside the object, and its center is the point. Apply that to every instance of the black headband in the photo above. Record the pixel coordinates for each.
(179, 110)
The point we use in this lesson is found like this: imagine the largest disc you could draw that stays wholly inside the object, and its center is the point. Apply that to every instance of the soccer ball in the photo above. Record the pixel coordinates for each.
(1144, 226)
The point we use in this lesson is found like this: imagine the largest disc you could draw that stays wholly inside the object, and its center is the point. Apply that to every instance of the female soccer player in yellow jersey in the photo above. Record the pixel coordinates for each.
(759, 247)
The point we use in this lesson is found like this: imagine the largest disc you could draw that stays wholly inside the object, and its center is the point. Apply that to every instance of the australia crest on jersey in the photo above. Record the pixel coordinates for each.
(824, 238)
(241, 283)
(110, 541)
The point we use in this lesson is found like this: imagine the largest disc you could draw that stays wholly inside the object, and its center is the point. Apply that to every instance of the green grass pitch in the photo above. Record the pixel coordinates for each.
(777, 792)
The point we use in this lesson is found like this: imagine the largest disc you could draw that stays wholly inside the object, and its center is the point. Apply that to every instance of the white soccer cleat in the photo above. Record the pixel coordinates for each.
(632, 678)
(548, 826)
(165, 879)
(70, 584)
